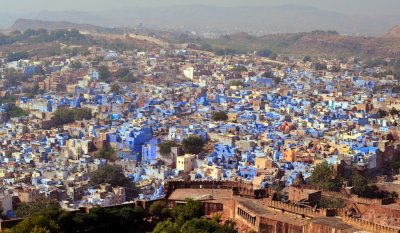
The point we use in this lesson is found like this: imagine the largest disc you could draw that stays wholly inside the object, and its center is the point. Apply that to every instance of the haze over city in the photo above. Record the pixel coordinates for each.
(255, 16)
(211, 116)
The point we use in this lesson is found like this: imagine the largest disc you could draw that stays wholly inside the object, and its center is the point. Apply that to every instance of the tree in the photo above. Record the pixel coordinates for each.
(186, 218)
(122, 72)
(38, 229)
(306, 58)
(219, 116)
(165, 147)
(182, 213)
(67, 115)
(360, 185)
(324, 176)
(334, 69)
(332, 202)
(130, 78)
(166, 227)
(115, 88)
(192, 144)
(27, 209)
(107, 152)
(382, 113)
(319, 66)
(104, 74)
(236, 83)
(156, 208)
(76, 65)
(16, 111)
(267, 53)
(394, 112)
(395, 164)
(83, 113)
(110, 174)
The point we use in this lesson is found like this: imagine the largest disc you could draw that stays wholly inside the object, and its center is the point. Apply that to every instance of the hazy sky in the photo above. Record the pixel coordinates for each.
(359, 7)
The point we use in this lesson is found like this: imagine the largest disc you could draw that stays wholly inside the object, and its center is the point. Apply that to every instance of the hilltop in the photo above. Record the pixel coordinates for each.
(317, 43)
(23, 24)
(394, 32)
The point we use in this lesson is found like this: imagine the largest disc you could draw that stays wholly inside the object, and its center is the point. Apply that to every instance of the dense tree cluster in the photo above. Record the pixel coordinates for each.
(192, 144)
(104, 74)
(51, 219)
(187, 219)
(219, 116)
(115, 88)
(42, 35)
(27, 209)
(267, 53)
(325, 177)
(362, 188)
(110, 174)
(107, 152)
(159, 209)
(165, 147)
(236, 83)
(67, 115)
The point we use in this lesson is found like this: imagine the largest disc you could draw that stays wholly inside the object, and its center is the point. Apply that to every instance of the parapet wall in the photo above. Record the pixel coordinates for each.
(353, 198)
(365, 225)
(238, 187)
(294, 209)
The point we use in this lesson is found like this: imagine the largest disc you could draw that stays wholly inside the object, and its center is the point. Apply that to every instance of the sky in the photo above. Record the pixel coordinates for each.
(357, 7)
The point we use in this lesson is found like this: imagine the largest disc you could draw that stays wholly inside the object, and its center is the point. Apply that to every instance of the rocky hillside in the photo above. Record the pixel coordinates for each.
(394, 32)
(23, 24)
(326, 43)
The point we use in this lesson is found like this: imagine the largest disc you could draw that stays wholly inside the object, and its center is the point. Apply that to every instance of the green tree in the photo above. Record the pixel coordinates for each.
(156, 208)
(236, 83)
(219, 116)
(16, 111)
(104, 74)
(27, 209)
(67, 115)
(130, 78)
(122, 72)
(395, 164)
(38, 229)
(165, 147)
(360, 185)
(192, 144)
(332, 202)
(115, 88)
(166, 227)
(382, 113)
(107, 152)
(320, 66)
(182, 213)
(306, 58)
(267, 53)
(324, 176)
(83, 113)
(76, 65)
(111, 174)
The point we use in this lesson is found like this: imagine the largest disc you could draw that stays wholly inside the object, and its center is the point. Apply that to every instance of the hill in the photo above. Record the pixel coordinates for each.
(23, 24)
(316, 43)
(394, 32)
(257, 20)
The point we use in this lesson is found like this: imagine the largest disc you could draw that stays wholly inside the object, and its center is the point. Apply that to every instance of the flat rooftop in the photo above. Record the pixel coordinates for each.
(201, 194)
(336, 223)
(258, 209)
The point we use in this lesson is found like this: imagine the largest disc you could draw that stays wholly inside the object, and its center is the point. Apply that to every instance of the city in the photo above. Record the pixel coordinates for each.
(142, 130)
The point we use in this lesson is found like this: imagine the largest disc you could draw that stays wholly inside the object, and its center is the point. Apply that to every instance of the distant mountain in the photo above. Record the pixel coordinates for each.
(316, 43)
(23, 24)
(394, 32)
(254, 20)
